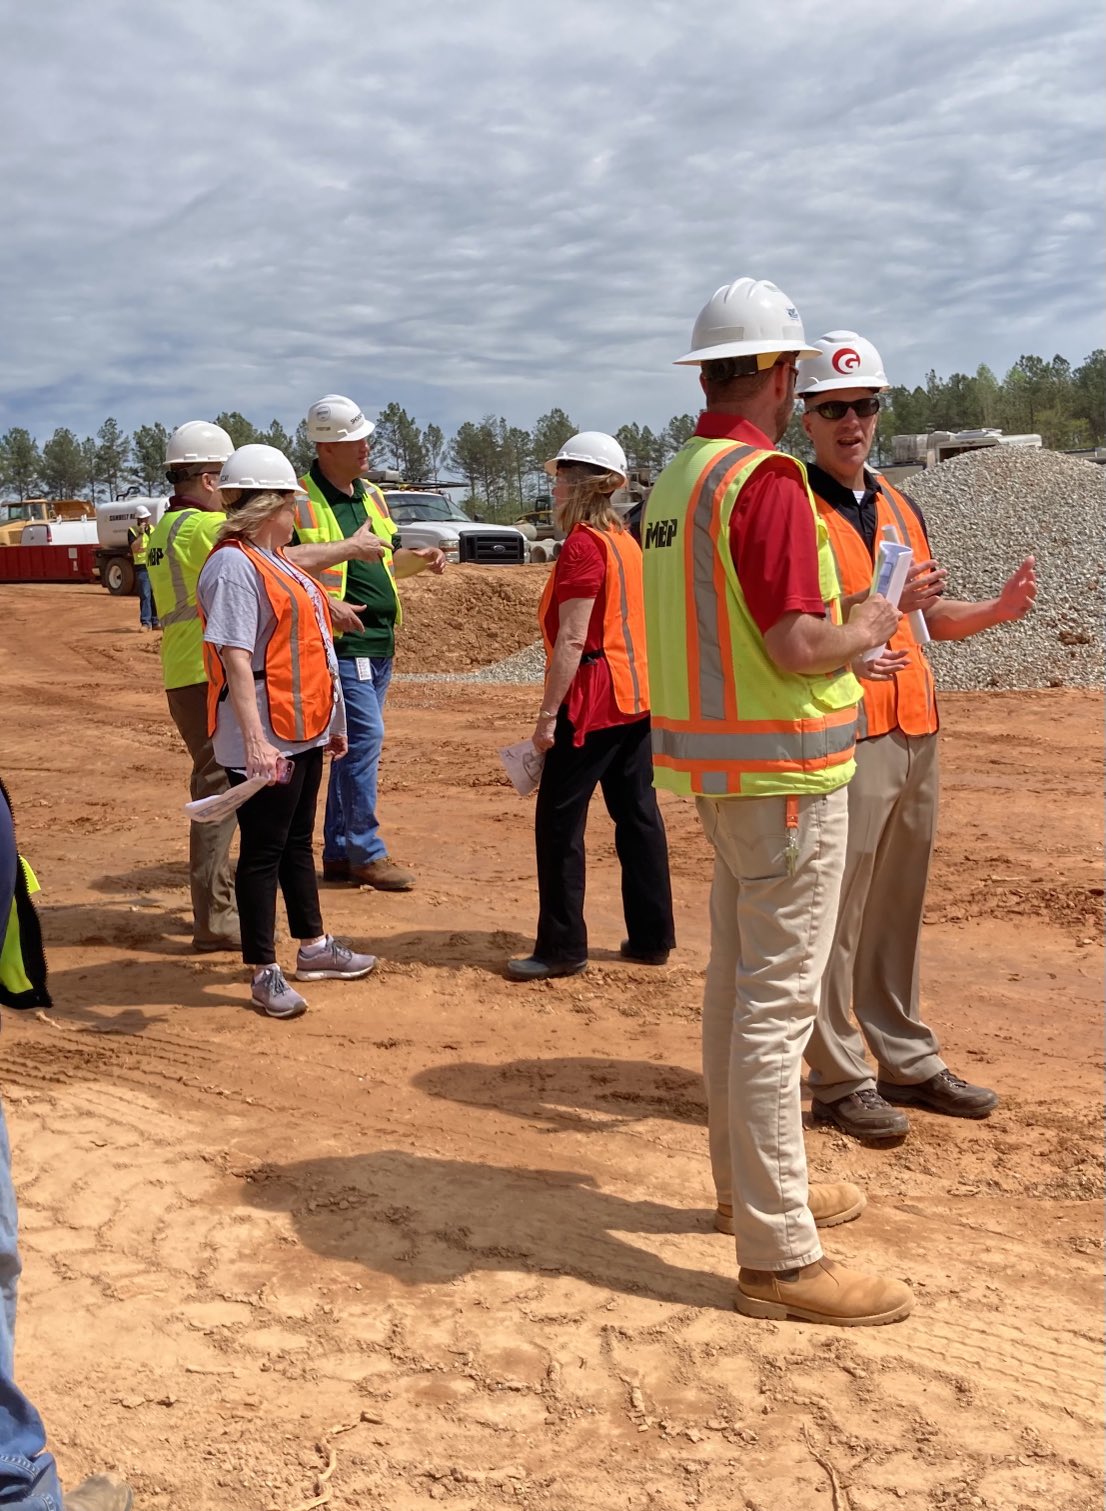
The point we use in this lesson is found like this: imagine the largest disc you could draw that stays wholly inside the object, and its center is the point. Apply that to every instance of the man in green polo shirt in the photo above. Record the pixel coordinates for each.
(365, 603)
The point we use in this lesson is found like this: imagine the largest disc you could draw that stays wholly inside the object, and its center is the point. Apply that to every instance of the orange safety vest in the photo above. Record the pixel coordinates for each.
(297, 670)
(909, 702)
(623, 618)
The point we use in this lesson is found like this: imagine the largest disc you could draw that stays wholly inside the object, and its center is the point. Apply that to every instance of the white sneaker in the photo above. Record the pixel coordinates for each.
(271, 992)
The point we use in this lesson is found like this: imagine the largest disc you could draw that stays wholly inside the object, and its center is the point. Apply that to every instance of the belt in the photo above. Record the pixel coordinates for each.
(589, 656)
(258, 676)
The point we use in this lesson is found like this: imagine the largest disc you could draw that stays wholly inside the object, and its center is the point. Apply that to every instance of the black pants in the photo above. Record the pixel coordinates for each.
(619, 761)
(277, 828)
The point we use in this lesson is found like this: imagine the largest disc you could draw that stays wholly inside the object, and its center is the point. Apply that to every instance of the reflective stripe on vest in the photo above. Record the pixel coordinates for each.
(726, 721)
(317, 524)
(298, 679)
(184, 603)
(623, 618)
(909, 702)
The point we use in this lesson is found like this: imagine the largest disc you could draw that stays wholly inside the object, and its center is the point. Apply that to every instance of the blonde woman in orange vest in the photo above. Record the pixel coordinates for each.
(873, 966)
(594, 722)
(274, 706)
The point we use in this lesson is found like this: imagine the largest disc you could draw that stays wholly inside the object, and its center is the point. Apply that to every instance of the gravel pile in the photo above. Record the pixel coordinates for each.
(526, 665)
(986, 511)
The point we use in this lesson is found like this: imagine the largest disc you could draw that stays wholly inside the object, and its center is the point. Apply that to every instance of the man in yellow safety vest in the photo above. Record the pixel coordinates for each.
(754, 715)
(364, 600)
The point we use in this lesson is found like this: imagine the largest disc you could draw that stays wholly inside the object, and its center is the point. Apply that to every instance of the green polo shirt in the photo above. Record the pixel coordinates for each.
(367, 582)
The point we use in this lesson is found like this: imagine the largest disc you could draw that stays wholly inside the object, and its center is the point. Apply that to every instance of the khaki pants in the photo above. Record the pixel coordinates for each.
(873, 966)
(770, 937)
(209, 868)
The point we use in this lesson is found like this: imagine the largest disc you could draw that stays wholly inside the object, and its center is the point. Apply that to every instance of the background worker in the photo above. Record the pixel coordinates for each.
(366, 609)
(594, 722)
(177, 549)
(754, 713)
(138, 539)
(873, 964)
(274, 705)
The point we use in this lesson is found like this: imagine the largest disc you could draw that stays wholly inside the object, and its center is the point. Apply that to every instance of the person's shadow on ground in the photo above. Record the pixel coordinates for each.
(426, 1221)
(556, 1091)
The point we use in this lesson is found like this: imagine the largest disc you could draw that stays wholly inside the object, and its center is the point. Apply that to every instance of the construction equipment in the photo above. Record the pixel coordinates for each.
(113, 558)
(15, 517)
(917, 451)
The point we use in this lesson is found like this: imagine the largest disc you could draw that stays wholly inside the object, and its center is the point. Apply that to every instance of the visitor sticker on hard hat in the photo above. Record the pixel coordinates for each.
(846, 359)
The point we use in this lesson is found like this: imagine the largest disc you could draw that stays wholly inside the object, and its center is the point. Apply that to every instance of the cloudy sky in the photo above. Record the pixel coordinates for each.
(506, 206)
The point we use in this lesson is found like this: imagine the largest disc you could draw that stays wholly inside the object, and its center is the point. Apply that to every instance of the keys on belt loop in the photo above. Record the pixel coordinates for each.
(791, 824)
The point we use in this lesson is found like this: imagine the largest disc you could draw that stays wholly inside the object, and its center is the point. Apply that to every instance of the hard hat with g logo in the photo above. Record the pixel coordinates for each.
(844, 360)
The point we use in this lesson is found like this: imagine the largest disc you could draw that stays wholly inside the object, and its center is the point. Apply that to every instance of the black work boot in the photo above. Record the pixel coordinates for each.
(943, 1092)
(864, 1114)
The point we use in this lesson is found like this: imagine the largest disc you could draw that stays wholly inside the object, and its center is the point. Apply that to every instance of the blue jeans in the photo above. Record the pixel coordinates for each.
(146, 612)
(351, 830)
(28, 1477)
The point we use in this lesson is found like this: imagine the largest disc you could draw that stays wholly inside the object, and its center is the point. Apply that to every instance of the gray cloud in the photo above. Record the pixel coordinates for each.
(508, 207)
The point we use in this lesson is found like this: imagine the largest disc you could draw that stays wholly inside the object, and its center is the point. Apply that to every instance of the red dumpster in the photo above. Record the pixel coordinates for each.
(48, 563)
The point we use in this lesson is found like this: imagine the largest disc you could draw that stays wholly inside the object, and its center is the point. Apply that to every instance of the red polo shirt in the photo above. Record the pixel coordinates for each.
(773, 539)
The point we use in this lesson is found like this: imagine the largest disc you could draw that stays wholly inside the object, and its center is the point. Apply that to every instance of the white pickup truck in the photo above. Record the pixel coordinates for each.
(426, 518)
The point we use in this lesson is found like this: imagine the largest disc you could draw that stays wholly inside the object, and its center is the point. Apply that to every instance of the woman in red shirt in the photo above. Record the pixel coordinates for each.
(594, 722)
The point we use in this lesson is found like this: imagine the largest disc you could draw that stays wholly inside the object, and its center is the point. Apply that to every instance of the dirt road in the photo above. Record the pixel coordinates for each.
(446, 1239)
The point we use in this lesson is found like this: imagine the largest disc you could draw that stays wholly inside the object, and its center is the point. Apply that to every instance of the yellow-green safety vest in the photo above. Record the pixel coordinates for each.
(16, 987)
(180, 544)
(316, 524)
(727, 722)
(142, 541)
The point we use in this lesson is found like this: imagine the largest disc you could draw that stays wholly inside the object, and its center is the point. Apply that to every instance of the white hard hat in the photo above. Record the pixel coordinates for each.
(746, 318)
(844, 360)
(593, 447)
(259, 467)
(336, 418)
(142, 512)
(197, 441)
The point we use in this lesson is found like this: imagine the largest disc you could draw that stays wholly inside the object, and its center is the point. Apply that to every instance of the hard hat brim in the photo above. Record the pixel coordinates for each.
(591, 461)
(362, 433)
(828, 385)
(743, 349)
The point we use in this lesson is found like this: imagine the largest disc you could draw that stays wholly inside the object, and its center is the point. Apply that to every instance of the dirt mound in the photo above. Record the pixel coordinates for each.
(468, 618)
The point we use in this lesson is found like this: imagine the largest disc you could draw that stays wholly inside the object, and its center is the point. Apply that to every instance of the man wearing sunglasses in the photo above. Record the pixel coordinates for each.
(873, 967)
(755, 717)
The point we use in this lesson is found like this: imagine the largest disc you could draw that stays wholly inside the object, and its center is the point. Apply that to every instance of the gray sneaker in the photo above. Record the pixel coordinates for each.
(332, 961)
(103, 1492)
(271, 992)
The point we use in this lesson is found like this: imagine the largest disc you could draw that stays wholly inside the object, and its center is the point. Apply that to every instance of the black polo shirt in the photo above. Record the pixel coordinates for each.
(861, 512)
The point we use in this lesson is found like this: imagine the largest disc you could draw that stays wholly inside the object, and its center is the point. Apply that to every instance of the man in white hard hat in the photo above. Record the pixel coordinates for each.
(138, 540)
(754, 714)
(873, 966)
(340, 502)
(178, 547)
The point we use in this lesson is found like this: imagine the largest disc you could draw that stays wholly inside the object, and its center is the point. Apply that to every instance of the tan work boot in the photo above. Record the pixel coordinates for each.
(829, 1206)
(822, 1292)
(103, 1492)
(383, 874)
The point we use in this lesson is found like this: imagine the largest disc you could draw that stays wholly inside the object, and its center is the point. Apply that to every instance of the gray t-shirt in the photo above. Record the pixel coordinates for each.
(239, 614)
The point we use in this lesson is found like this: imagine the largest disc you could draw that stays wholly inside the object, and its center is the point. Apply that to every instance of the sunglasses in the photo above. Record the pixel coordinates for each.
(837, 409)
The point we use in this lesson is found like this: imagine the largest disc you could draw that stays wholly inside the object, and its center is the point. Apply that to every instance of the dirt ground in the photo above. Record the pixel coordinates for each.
(447, 1239)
